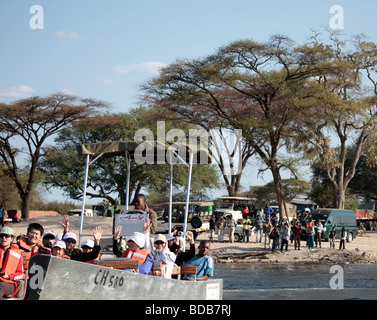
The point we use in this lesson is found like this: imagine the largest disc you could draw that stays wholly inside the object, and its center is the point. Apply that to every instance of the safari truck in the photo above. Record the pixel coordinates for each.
(226, 206)
(199, 214)
(232, 205)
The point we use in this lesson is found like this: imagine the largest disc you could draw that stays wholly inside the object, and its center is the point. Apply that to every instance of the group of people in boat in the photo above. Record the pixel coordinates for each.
(155, 253)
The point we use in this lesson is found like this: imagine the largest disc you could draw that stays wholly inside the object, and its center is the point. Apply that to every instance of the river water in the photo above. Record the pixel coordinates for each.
(291, 282)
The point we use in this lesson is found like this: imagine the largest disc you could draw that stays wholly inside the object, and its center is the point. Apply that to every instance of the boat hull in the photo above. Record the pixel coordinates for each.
(52, 278)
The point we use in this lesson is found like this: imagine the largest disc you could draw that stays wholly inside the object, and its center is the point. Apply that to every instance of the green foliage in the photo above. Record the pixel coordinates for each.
(64, 168)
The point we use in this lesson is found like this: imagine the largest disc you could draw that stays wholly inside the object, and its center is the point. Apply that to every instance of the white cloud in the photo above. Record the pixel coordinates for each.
(21, 91)
(104, 81)
(145, 67)
(67, 92)
(66, 35)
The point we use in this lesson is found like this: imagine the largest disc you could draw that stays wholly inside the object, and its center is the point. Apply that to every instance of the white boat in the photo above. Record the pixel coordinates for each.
(52, 278)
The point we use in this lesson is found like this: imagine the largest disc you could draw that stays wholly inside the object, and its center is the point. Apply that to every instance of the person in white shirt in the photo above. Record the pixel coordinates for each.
(318, 233)
(163, 256)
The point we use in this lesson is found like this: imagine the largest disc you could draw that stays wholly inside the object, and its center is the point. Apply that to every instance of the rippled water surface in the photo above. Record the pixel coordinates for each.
(277, 282)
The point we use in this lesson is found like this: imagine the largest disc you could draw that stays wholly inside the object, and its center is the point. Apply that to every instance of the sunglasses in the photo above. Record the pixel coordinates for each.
(159, 242)
(3, 235)
(70, 241)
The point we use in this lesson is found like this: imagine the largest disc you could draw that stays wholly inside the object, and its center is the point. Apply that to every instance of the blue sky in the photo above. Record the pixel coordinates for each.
(105, 49)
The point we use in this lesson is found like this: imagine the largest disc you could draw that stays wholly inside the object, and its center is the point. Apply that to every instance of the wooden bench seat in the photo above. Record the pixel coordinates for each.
(187, 269)
(119, 263)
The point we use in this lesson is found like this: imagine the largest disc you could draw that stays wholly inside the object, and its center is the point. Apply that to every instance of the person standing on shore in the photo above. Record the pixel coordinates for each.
(297, 234)
(332, 236)
(267, 226)
(318, 233)
(246, 222)
(285, 237)
(212, 228)
(310, 233)
(232, 227)
(221, 226)
(343, 237)
(275, 234)
(259, 228)
(268, 211)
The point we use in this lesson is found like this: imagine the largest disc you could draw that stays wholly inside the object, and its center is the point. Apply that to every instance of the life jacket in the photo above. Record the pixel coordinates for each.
(310, 224)
(309, 227)
(27, 250)
(10, 262)
(139, 255)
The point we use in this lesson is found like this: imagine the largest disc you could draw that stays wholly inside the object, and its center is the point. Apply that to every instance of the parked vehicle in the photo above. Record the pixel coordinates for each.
(199, 214)
(232, 205)
(366, 216)
(87, 212)
(334, 218)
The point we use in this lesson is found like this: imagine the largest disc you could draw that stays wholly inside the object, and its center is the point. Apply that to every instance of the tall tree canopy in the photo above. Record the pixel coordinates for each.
(247, 85)
(64, 167)
(24, 127)
(342, 114)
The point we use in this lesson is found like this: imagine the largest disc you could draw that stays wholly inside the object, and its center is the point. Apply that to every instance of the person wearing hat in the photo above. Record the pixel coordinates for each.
(58, 249)
(87, 247)
(77, 254)
(11, 263)
(48, 240)
(70, 240)
(138, 250)
(163, 256)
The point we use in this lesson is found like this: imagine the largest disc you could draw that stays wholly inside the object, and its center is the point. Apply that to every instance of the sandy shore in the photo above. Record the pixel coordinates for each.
(363, 249)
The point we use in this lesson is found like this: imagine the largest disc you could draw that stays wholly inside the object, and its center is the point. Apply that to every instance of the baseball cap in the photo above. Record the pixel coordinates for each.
(159, 237)
(138, 238)
(88, 243)
(48, 233)
(7, 230)
(60, 244)
(70, 235)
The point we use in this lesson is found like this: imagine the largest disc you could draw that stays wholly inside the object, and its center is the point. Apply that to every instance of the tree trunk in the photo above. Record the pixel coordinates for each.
(25, 201)
(280, 194)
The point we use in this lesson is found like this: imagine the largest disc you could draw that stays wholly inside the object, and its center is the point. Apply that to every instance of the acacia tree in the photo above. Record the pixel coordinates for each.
(245, 85)
(30, 122)
(343, 112)
(64, 168)
(228, 148)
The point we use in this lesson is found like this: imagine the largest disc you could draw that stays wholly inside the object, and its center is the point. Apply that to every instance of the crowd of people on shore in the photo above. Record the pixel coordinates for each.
(153, 252)
(277, 234)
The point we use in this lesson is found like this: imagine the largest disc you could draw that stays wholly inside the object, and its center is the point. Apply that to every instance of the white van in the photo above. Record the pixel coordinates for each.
(87, 212)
